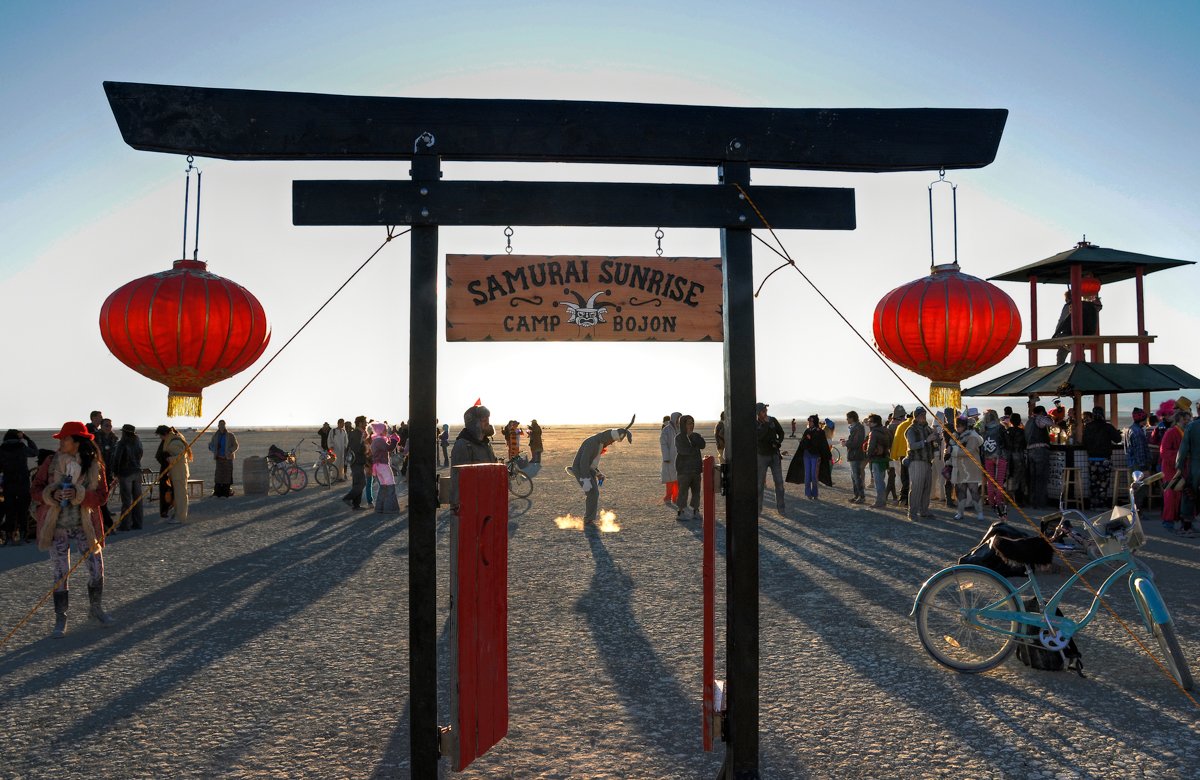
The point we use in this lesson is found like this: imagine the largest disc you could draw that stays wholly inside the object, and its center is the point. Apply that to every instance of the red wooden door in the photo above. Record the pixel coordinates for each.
(479, 615)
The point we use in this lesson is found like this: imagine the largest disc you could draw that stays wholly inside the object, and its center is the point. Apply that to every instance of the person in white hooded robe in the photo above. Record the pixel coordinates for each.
(666, 442)
(339, 440)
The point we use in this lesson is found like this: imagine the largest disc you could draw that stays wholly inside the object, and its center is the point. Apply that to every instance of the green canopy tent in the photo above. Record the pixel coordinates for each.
(1107, 265)
(1087, 379)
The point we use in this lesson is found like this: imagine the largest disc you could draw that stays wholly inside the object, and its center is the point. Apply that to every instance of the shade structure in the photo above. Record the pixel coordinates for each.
(946, 326)
(1104, 264)
(1087, 379)
(186, 328)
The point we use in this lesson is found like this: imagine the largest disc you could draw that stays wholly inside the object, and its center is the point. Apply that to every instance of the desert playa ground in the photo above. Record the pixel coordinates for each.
(268, 638)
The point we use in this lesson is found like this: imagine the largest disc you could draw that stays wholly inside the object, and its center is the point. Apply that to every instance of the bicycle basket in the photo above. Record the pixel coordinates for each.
(1122, 530)
(276, 454)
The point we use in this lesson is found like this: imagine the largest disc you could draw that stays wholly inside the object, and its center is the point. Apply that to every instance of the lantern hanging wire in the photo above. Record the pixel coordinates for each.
(187, 188)
(954, 206)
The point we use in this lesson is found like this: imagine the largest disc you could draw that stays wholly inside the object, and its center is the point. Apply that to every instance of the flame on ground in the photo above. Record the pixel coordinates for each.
(607, 525)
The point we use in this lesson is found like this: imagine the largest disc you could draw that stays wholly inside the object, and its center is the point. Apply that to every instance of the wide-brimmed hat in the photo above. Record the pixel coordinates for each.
(74, 428)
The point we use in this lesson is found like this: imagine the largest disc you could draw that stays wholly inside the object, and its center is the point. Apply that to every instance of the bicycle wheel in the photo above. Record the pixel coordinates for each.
(519, 483)
(323, 474)
(297, 477)
(278, 484)
(835, 455)
(1164, 634)
(951, 628)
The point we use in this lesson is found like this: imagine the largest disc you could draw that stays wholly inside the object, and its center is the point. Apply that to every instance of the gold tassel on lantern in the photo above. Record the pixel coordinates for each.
(180, 404)
(944, 395)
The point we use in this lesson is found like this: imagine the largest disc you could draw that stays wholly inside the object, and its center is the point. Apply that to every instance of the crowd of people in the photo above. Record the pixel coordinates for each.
(62, 504)
(992, 458)
(910, 459)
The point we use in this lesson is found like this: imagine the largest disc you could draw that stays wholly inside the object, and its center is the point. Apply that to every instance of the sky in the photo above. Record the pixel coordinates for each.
(1099, 142)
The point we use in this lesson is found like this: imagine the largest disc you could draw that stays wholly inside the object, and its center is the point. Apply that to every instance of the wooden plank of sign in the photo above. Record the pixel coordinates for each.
(582, 298)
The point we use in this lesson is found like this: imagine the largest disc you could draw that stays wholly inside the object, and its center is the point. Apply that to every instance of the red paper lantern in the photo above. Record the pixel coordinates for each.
(186, 328)
(947, 326)
(1089, 287)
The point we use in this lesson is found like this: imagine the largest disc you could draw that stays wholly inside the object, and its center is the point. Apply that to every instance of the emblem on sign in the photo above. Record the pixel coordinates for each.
(585, 314)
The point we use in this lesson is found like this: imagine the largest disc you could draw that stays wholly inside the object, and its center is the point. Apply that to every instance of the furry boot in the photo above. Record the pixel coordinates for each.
(60, 612)
(95, 600)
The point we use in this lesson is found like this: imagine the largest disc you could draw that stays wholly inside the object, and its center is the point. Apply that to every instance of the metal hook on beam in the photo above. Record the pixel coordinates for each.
(425, 139)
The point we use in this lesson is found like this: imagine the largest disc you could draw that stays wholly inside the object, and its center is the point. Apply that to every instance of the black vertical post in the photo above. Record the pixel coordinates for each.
(741, 502)
(422, 482)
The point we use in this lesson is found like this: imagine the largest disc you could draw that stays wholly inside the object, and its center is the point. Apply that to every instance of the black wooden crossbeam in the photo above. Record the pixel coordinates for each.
(458, 203)
(239, 124)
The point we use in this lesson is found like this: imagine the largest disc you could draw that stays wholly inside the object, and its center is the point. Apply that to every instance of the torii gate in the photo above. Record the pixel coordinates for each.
(256, 125)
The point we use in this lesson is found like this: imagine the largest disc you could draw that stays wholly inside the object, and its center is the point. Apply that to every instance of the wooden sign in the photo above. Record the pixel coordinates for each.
(572, 298)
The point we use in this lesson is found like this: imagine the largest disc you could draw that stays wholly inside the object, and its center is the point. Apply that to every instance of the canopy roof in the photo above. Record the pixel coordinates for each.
(1087, 378)
(1107, 265)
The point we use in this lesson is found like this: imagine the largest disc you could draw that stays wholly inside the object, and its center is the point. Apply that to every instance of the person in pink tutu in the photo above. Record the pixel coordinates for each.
(383, 445)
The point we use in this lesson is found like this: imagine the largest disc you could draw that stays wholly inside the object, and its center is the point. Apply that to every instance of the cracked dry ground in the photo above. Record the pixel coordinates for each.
(269, 639)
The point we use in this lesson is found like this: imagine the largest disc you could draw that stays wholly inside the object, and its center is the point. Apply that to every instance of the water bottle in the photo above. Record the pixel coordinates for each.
(66, 485)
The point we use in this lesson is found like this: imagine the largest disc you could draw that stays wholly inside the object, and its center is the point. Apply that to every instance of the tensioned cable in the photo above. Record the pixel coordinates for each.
(782, 252)
(61, 581)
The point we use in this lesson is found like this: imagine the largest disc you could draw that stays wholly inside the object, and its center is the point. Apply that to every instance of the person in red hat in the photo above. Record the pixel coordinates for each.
(70, 488)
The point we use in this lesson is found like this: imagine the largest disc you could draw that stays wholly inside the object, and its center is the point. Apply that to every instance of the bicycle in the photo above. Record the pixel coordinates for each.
(970, 618)
(520, 484)
(324, 472)
(285, 475)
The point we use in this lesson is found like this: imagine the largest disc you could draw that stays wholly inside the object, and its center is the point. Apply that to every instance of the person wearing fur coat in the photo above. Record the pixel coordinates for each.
(966, 471)
(178, 455)
(70, 488)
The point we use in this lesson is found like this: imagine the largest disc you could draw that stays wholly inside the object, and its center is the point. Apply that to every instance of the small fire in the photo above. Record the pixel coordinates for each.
(569, 523)
(607, 525)
(608, 522)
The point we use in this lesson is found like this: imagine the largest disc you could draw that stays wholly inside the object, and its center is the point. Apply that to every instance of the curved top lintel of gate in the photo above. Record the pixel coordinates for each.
(239, 124)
